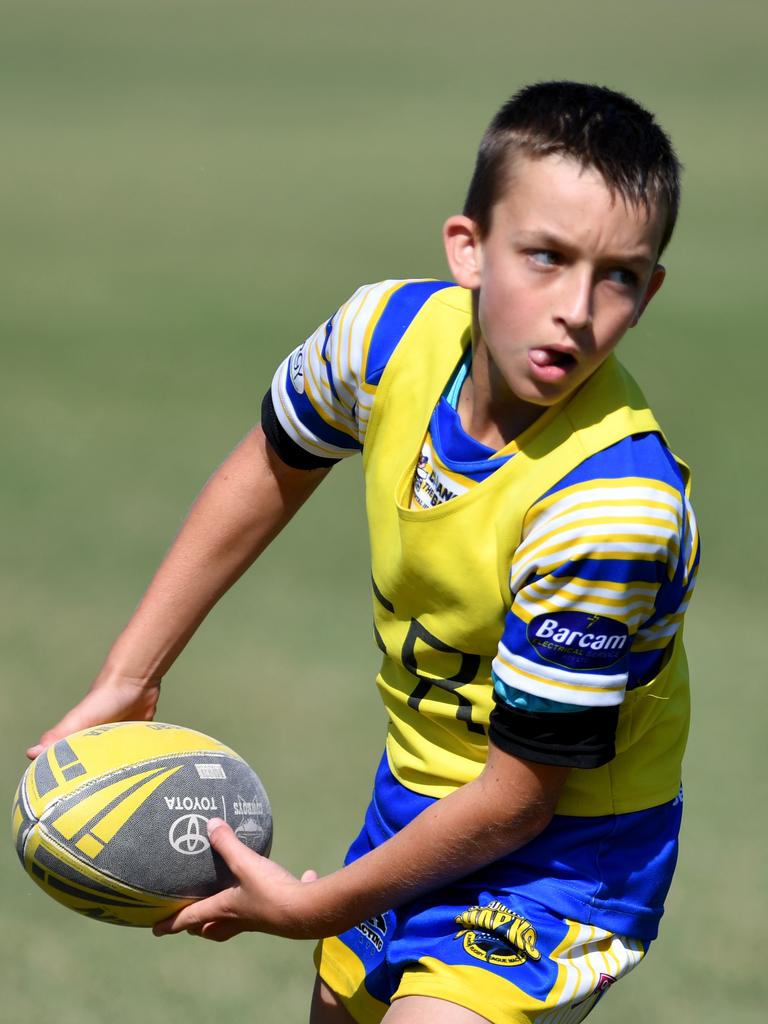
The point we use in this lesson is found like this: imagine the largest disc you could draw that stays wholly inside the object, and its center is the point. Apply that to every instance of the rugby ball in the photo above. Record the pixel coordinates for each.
(111, 821)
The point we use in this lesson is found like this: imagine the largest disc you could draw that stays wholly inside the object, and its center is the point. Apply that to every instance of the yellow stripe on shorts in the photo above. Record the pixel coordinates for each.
(344, 973)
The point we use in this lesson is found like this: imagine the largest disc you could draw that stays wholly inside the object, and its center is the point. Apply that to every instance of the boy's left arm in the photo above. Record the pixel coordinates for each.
(506, 806)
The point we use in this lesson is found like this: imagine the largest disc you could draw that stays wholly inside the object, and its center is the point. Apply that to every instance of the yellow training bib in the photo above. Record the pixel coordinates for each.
(441, 578)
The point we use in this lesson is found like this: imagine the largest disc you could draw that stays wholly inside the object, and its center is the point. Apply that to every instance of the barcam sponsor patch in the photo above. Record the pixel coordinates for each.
(578, 641)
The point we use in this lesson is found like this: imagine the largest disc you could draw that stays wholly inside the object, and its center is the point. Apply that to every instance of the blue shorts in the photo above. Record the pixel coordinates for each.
(503, 941)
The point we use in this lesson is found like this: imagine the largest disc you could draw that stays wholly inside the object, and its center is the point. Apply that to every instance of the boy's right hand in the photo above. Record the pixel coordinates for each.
(116, 699)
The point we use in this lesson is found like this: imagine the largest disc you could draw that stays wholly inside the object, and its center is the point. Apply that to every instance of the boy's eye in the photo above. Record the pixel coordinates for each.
(623, 276)
(545, 257)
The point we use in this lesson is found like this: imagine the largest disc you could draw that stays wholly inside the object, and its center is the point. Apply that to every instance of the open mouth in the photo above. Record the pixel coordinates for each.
(544, 358)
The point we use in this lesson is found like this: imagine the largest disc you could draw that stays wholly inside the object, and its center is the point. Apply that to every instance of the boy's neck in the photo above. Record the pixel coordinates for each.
(488, 410)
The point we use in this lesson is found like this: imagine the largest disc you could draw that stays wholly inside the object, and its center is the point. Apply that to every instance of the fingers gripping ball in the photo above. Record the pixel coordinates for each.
(111, 821)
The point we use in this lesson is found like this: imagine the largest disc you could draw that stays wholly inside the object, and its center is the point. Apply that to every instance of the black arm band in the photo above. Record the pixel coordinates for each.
(575, 739)
(284, 446)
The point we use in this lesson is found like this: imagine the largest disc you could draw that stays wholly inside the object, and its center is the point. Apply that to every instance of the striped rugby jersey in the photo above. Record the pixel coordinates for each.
(615, 540)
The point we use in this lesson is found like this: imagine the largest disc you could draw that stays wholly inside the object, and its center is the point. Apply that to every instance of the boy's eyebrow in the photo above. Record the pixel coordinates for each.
(549, 240)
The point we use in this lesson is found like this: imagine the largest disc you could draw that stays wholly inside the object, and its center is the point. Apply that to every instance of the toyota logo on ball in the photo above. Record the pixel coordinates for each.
(188, 834)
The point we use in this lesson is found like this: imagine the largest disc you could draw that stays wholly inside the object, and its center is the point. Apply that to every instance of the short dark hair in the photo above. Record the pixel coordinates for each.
(596, 126)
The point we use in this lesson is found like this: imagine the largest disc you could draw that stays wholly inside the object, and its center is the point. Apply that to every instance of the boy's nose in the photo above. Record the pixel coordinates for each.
(577, 303)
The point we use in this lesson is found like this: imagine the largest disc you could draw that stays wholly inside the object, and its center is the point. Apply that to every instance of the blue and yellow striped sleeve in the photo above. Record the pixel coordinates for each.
(320, 401)
(600, 581)
(315, 389)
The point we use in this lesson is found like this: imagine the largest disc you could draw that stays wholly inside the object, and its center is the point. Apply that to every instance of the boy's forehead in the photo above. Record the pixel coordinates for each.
(557, 195)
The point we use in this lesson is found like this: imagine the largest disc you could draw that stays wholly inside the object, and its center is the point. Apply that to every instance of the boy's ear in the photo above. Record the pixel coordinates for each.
(657, 280)
(463, 250)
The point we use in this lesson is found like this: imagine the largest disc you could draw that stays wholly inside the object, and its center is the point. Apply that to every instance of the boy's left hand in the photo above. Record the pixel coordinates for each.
(267, 898)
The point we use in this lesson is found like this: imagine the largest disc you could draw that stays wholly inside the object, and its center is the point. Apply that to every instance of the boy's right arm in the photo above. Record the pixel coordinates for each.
(244, 505)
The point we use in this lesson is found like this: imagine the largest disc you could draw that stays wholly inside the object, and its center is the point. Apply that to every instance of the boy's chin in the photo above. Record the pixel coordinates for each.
(544, 394)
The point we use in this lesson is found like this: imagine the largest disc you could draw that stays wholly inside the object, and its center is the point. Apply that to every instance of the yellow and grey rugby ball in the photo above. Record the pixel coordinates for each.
(111, 821)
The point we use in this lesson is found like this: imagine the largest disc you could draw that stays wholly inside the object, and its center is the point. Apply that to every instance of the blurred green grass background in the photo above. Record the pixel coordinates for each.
(186, 190)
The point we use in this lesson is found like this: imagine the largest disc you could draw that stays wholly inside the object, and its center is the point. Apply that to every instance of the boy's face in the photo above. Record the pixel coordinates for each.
(563, 272)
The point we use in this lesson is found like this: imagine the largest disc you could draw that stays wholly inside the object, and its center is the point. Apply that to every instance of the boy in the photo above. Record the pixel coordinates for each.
(533, 552)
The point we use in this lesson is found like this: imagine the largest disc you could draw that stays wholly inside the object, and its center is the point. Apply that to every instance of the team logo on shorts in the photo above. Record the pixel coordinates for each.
(374, 929)
(497, 935)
